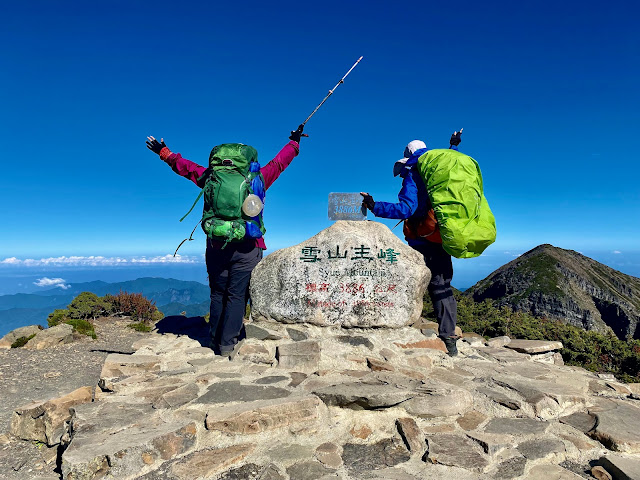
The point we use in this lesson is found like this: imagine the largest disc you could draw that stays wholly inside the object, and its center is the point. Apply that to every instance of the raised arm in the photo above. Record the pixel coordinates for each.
(272, 170)
(183, 167)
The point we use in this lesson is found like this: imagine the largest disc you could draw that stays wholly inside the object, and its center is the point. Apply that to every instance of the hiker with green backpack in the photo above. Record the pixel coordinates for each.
(234, 187)
(445, 214)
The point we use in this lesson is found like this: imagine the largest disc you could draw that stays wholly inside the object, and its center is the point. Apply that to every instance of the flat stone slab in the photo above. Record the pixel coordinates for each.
(263, 415)
(471, 420)
(178, 397)
(355, 340)
(363, 395)
(499, 341)
(437, 399)
(547, 399)
(303, 356)
(208, 462)
(583, 421)
(309, 469)
(516, 426)
(120, 365)
(259, 333)
(456, 450)
(121, 439)
(618, 426)
(359, 458)
(511, 468)
(234, 391)
(533, 346)
(621, 466)
(539, 448)
(551, 472)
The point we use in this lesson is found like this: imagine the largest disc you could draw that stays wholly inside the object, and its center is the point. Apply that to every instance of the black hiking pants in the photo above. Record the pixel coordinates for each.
(444, 303)
(229, 270)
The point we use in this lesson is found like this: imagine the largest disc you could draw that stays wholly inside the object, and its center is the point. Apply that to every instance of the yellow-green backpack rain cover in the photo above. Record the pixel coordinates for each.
(454, 185)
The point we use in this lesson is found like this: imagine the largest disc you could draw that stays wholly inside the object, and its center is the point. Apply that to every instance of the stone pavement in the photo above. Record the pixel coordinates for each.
(331, 403)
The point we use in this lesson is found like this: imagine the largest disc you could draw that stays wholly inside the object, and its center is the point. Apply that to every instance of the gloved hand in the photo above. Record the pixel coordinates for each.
(367, 201)
(297, 134)
(154, 145)
(455, 138)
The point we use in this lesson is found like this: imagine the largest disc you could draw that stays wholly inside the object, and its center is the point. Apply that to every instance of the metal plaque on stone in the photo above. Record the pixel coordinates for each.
(346, 206)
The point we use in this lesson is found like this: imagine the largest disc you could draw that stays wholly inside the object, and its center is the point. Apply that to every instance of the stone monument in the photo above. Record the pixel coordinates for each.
(352, 274)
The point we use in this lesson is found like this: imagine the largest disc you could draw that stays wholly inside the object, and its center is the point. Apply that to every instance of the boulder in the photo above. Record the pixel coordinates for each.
(50, 337)
(353, 274)
(13, 335)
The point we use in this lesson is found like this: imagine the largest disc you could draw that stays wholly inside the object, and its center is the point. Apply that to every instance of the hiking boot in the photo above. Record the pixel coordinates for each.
(231, 350)
(450, 343)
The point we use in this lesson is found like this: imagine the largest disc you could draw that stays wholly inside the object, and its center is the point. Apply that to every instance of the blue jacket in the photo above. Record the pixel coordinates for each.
(413, 197)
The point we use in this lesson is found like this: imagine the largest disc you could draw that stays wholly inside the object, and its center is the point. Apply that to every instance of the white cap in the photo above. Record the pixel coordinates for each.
(409, 150)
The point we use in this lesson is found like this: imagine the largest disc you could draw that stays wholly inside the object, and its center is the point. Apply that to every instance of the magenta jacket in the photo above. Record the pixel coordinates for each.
(271, 171)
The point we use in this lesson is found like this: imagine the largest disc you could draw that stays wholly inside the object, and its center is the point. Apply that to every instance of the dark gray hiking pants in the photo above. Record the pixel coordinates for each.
(229, 272)
(444, 303)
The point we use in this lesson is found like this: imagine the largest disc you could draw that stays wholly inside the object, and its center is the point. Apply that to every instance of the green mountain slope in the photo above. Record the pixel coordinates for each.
(565, 285)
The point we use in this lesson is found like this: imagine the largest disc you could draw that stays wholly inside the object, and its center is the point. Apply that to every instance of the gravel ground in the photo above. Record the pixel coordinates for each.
(28, 375)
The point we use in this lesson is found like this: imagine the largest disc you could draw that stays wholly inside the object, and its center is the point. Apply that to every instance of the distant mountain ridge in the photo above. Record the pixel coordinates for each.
(566, 285)
(169, 294)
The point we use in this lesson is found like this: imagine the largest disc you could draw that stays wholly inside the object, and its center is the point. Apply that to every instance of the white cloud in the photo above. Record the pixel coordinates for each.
(100, 261)
(11, 261)
(617, 252)
(52, 282)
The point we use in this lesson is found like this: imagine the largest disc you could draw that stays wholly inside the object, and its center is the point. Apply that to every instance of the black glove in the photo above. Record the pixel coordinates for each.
(154, 145)
(455, 138)
(297, 134)
(367, 201)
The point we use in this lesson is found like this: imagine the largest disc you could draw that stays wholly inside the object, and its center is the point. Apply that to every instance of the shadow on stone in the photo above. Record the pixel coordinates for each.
(195, 328)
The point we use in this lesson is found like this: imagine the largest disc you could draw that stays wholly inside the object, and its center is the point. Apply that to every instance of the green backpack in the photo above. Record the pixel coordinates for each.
(233, 175)
(454, 185)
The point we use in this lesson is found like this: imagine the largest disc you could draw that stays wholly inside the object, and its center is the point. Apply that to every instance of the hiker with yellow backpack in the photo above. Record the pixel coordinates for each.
(234, 187)
(445, 214)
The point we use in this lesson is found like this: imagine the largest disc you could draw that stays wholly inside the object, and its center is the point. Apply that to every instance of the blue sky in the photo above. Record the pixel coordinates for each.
(546, 92)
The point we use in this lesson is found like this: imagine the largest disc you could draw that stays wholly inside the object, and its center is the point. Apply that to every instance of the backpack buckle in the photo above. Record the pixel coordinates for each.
(227, 162)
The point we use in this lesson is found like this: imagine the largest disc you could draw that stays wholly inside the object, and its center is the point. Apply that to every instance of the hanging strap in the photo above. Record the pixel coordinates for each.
(187, 239)
(193, 206)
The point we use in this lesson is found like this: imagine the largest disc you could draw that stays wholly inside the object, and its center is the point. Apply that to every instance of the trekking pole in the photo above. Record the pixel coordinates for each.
(331, 91)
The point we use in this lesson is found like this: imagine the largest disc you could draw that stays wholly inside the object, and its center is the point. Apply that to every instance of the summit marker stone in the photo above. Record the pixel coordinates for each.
(353, 274)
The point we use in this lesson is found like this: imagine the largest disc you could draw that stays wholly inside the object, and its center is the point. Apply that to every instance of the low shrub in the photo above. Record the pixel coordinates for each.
(591, 350)
(21, 341)
(82, 326)
(134, 305)
(57, 317)
(86, 305)
(140, 327)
